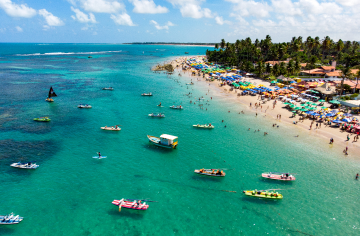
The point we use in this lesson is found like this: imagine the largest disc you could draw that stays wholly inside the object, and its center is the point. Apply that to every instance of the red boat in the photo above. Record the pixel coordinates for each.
(135, 205)
(278, 176)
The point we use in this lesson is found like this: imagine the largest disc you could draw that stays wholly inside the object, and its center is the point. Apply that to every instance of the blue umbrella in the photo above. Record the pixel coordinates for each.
(336, 121)
(347, 114)
(346, 120)
(330, 115)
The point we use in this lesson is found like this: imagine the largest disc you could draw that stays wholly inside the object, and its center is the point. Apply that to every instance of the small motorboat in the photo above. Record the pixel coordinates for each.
(157, 115)
(146, 94)
(268, 194)
(27, 165)
(190, 83)
(278, 176)
(109, 88)
(176, 107)
(10, 219)
(209, 126)
(135, 205)
(165, 140)
(211, 172)
(42, 119)
(111, 128)
(84, 106)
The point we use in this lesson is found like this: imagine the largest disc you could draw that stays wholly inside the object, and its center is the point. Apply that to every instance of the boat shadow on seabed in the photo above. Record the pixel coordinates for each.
(154, 148)
(278, 182)
(206, 178)
(134, 214)
(260, 200)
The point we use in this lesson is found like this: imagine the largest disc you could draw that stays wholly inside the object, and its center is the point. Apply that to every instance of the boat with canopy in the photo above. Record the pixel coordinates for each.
(176, 107)
(131, 204)
(84, 106)
(146, 94)
(165, 140)
(10, 219)
(27, 165)
(50, 95)
(111, 128)
(278, 176)
(268, 194)
(109, 88)
(211, 172)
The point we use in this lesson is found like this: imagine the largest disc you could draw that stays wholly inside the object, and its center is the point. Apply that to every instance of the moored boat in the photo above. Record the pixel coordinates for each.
(157, 115)
(176, 107)
(42, 119)
(211, 172)
(111, 128)
(134, 205)
(209, 126)
(190, 83)
(268, 194)
(27, 165)
(278, 176)
(165, 140)
(50, 95)
(10, 219)
(146, 94)
(109, 88)
(84, 106)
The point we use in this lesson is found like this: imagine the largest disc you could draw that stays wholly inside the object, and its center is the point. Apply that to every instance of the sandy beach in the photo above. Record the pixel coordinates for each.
(266, 110)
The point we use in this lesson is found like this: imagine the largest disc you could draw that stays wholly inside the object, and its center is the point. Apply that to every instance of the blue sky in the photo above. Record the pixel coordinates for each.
(120, 21)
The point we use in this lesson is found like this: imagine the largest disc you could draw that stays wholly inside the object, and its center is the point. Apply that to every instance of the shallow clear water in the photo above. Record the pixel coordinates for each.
(71, 193)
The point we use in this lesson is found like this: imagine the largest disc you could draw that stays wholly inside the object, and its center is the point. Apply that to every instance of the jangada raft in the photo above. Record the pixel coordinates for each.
(209, 126)
(135, 205)
(157, 115)
(176, 107)
(10, 219)
(146, 94)
(42, 119)
(211, 172)
(278, 176)
(165, 140)
(111, 128)
(84, 106)
(268, 194)
(27, 165)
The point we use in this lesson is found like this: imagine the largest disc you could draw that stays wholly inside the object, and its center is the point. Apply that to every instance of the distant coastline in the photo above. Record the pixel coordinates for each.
(176, 44)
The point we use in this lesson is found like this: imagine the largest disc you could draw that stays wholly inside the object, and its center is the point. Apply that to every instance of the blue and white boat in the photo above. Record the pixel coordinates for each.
(165, 140)
(27, 165)
(157, 115)
(10, 219)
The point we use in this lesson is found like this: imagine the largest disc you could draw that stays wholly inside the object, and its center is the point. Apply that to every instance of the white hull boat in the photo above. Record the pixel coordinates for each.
(27, 165)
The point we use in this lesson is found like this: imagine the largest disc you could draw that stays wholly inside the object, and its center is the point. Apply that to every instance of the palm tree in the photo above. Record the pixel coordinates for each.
(339, 47)
(268, 68)
(345, 74)
(216, 46)
(290, 67)
(222, 44)
(326, 44)
(260, 68)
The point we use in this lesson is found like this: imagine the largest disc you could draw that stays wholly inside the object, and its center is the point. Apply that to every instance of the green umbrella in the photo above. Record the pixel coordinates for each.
(304, 109)
(294, 111)
(312, 108)
(297, 108)
(273, 82)
(322, 100)
(292, 105)
(314, 104)
(308, 102)
(286, 103)
(334, 102)
(323, 107)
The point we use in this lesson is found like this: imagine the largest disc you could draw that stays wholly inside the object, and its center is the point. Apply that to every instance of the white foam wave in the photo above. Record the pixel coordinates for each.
(65, 53)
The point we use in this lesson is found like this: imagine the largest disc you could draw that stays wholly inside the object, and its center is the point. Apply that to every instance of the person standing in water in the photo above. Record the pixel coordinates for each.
(99, 154)
(357, 176)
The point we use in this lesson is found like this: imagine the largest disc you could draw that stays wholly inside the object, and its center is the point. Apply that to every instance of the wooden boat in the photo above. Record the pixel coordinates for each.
(157, 115)
(165, 140)
(278, 176)
(109, 88)
(263, 194)
(50, 95)
(134, 205)
(42, 119)
(84, 106)
(10, 219)
(209, 126)
(146, 94)
(176, 107)
(211, 172)
(111, 128)
(190, 83)
(27, 165)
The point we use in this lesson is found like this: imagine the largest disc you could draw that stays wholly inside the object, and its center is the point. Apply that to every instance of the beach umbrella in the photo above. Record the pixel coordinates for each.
(346, 120)
(297, 108)
(337, 121)
(312, 108)
(314, 104)
(330, 115)
(322, 100)
(292, 105)
(293, 111)
(286, 103)
(347, 114)
(323, 107)
(309, 103)
(334, 102)
(304, 109)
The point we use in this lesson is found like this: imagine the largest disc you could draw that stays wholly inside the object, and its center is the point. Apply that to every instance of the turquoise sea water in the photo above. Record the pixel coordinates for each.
(71, 193)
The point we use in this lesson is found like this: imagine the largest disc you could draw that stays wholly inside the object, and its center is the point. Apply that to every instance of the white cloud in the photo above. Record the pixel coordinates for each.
(147, 6)
(19, 29)
(286, 7)
(251, 8)
(157, 26)
(16, 10)
(122, 19)
(349, 3)
(315, 8)
(82, 17)
(102, 6)
(191, 8)
(51, 20)
(220, 21)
